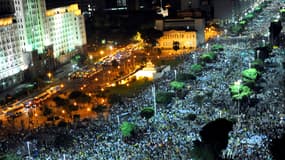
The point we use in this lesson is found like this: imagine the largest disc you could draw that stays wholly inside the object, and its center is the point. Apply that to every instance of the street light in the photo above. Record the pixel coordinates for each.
(238, 84)
(49, 75)
(28, 146)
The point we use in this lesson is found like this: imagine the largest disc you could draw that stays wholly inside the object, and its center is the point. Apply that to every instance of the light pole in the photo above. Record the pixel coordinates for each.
(175, 74)
(29, 152)
(49, 76)
(154, 98)
(238, 84)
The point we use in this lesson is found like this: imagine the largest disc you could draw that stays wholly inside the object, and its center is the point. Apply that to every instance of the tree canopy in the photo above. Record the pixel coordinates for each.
(127, 129)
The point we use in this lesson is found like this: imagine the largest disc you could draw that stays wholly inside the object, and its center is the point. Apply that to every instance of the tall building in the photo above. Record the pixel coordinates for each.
(66, 30)
(32, 38)
(30, 15)
(11, 58)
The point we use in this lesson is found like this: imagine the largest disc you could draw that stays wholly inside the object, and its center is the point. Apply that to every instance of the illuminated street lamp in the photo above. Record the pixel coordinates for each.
(28, 146)
(238, 84)
(49, 75)
(101, 52)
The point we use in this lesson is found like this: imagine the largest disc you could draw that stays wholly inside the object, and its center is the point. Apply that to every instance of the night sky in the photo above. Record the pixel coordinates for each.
(59, 3)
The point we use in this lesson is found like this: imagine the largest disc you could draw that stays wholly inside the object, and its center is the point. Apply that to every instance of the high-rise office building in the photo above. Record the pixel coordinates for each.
(30, 36)
(65, 29)
(11, 58)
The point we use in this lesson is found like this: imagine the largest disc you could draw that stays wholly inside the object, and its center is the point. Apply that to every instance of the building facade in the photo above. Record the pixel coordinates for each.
(185, 39)
(33, 38)
(65, 30)
(185, 25)
(11, 58)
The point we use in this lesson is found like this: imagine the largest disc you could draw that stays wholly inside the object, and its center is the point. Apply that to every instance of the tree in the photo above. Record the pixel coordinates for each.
(127, 129)
(164, 97)
(60, 101)
(199, 99)
(277, 148)
(115, 63)
(214, 136)
(151, 35)
(46, 110)
(147, 113)
(177, 85)
(99, 108)
(196, 68)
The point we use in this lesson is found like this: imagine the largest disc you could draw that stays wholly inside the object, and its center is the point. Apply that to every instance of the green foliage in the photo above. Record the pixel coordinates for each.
(199, 99)
(196, 68)
(75, 94)
(240, 91)
(177, 85)
(217, 47)
(242, 22)
(208, 57)
(80, 97)
(249, 75)
(257, 9)
(164, 97)
(185, 77)
(258, 64)
(249, 16)
(236, 29)
(147, 113)
(127, 91)
(127, 129)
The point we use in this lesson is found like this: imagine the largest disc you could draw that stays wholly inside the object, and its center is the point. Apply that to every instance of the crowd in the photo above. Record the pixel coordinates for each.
(169, 135)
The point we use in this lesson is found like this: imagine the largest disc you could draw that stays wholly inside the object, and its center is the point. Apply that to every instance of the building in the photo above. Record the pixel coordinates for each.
(30, 17)
(11, 58)
(185, 39)
(176, 27)
(66, 31)
(33, 39)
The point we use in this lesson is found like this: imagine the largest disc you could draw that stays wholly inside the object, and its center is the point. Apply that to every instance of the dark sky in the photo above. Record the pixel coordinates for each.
(59, 3)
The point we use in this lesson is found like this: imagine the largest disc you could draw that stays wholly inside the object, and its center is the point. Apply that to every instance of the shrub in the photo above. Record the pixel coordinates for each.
(258, 64)
(208, 57)
(196, 68)
(177, 85)
(147, 113)
(127, 129)
(239, 92)
(185, 77)
(249, 75)
(164, 97)
(217, 47)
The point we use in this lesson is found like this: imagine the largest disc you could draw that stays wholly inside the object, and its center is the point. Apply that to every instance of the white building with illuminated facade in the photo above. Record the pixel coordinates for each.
(33, 39)
(65, 30)
(11, 58)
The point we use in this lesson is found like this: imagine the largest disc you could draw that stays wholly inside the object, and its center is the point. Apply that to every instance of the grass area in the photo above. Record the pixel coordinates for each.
(128, 90)
(172, 62)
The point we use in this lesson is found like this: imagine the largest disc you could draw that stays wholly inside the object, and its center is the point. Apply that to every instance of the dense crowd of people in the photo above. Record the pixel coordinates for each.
(169, 135)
